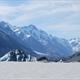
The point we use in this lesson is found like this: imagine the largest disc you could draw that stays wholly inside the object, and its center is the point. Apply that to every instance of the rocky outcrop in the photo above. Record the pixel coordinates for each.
(15, 55)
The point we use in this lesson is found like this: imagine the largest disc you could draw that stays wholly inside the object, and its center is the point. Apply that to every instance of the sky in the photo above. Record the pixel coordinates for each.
(57, 17)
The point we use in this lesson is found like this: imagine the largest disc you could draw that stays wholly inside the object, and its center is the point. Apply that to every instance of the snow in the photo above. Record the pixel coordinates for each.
(39, 71)
(75, 43)
(28, 36)
(41, 53)
(16, 30)
(4, 58)
(50, 43)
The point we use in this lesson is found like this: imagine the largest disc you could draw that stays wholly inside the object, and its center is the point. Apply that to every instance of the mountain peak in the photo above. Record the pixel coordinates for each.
(4, 24)
(31, 26)
(6, 27)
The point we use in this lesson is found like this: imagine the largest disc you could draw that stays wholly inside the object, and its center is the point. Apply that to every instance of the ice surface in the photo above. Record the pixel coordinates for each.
(39, 71)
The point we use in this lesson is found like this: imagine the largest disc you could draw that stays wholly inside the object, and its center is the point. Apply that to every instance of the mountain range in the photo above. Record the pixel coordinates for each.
(33, 41)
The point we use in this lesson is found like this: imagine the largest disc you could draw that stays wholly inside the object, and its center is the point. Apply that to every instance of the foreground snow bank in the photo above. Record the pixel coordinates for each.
(39, 71)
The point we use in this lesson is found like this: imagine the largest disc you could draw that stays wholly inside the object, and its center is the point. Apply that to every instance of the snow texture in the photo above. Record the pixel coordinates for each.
(39, 71)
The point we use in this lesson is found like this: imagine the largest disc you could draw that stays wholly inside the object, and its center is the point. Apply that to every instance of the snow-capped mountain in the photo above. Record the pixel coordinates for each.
(75, 42)
(9, 40)
(33, 40)
(41, 42)
(75, 57)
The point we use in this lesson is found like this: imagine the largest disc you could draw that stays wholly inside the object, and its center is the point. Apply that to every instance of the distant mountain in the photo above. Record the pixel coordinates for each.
(73, 58)
(39, 41)
(75, 43)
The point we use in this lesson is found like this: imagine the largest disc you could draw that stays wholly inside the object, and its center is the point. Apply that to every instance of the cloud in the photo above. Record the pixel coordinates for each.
(50, 15)
(36, 9)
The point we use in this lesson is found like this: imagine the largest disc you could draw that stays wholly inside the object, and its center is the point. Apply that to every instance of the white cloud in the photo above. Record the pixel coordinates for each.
(36, 9)
(39, 9)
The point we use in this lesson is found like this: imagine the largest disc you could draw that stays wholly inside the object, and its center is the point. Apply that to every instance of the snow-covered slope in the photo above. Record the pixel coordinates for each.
(74, 58)
(41, 42)
(9, 40)
(6, 28)
(75, 42)
(36, 42)
(17, 55)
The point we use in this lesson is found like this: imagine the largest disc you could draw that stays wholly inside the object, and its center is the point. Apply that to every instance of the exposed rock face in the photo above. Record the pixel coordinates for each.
(43, 43)
(20, 55)
(42, 59)
(74, 58)
(15, 55)
(12, 56)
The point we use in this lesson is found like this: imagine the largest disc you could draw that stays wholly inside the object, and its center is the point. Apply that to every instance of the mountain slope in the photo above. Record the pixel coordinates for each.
(41, 42)
(33, 41)
(73, 58)
(9, 40)
(18, 55)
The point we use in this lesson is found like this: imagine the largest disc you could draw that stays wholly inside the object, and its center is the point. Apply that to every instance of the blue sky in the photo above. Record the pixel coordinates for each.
(58, 17)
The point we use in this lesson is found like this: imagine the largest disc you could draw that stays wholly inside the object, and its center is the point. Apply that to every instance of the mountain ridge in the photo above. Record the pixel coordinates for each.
(44, 39)
(38, 41)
